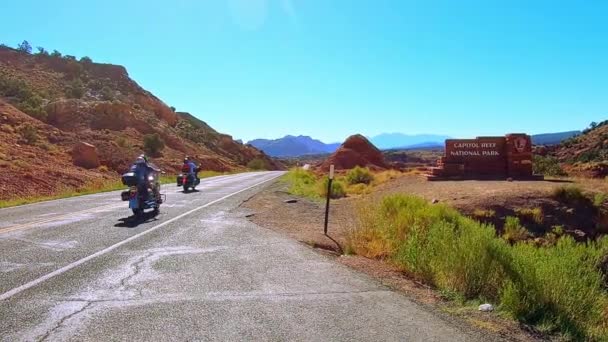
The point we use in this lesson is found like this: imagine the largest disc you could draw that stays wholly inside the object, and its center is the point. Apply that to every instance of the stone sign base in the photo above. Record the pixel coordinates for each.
(486, 158)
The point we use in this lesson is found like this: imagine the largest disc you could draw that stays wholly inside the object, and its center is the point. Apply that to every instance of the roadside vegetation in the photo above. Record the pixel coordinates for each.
(558, 288)
(358, 181)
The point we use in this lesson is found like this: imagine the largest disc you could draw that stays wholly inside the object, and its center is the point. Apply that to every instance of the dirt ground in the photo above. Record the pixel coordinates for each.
(303, 220)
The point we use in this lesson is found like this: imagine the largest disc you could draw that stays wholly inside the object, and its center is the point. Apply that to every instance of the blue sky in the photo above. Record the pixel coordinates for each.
(331, 68)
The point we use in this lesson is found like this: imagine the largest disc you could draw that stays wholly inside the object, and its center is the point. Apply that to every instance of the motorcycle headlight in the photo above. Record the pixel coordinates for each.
(150, 178)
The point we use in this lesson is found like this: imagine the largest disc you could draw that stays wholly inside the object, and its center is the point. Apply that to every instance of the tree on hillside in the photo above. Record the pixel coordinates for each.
(70, 57)
(86, 60)
(153, 144)
(42, 51)
(56, 53)
(173, 108)
(593, 125)
(75, 89)
(25, 47)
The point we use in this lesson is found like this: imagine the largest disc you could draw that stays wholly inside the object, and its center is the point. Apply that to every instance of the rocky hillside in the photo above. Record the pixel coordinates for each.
(66, 123)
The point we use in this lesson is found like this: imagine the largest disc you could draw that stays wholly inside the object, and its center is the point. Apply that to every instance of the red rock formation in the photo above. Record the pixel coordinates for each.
(356, 151)
(85, 155)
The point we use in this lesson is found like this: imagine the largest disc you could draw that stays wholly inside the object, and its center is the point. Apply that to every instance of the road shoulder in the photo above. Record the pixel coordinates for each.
(302, 220)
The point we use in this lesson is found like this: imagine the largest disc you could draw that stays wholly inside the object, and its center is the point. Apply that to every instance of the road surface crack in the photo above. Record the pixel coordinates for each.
(65, 319)
(137, 267)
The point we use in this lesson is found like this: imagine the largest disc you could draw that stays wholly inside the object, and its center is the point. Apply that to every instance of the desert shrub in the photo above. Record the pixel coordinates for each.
(29, 133)
(514, 231)
(433, 243)
(559, 288)
(484, 213)
(548, 166)
(56, 54)
(75, 89)
(599, 199)
(337, 188)
(107, 93)
(257, 164)
(571, 195)
(533, 214)
(153, 144)
(122, 142)
(301, 183)
(359, 175)
(25, 47)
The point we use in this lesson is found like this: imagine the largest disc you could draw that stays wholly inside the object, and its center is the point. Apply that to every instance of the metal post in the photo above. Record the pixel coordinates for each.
(331, 179)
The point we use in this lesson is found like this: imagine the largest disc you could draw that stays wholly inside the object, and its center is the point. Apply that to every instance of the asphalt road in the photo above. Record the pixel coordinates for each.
(76, 270)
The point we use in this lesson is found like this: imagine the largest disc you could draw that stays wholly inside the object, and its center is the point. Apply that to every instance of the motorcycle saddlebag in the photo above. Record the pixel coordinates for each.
(125, 195)
(129, 179)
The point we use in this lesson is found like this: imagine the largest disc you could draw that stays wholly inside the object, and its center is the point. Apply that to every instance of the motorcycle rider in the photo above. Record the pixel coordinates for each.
(190, 168)
(143, 169)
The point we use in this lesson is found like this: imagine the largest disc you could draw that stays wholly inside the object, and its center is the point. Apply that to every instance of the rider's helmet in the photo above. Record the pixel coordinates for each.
(140, 160)
(186, 159)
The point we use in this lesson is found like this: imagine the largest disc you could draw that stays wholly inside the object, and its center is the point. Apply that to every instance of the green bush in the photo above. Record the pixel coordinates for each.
(571, 195)
(42, 51)
(302, 183)
(257, 164)
(337, 188)
(153, 144)
(514, 231)
(559, 288)
(29, 133)
(107, 93)
(548, 166)
(359, 175)
(75, 89)
(86, 60)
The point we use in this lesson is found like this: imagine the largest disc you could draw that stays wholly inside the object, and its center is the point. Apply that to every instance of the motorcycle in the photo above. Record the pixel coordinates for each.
(143, 197)
(187, 181)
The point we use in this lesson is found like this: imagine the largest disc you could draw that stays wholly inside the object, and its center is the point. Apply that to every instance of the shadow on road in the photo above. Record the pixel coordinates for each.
(189, 191)
(134, 221)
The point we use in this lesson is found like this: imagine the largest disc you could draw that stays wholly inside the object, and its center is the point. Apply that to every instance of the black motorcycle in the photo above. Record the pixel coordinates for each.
(142, 197)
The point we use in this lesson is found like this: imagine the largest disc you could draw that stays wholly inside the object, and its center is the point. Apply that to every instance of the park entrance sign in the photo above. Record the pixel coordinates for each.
(486, 158)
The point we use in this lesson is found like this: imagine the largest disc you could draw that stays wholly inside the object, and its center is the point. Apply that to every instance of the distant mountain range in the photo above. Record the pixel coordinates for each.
(386, 141)
(295, 146)
(292, 146)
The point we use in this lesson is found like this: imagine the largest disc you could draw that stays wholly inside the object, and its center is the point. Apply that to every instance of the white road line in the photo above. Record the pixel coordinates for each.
(77, 263)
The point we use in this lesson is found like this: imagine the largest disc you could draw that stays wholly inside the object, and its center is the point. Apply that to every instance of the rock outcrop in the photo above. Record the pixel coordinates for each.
(85, 155)
(356, 151)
